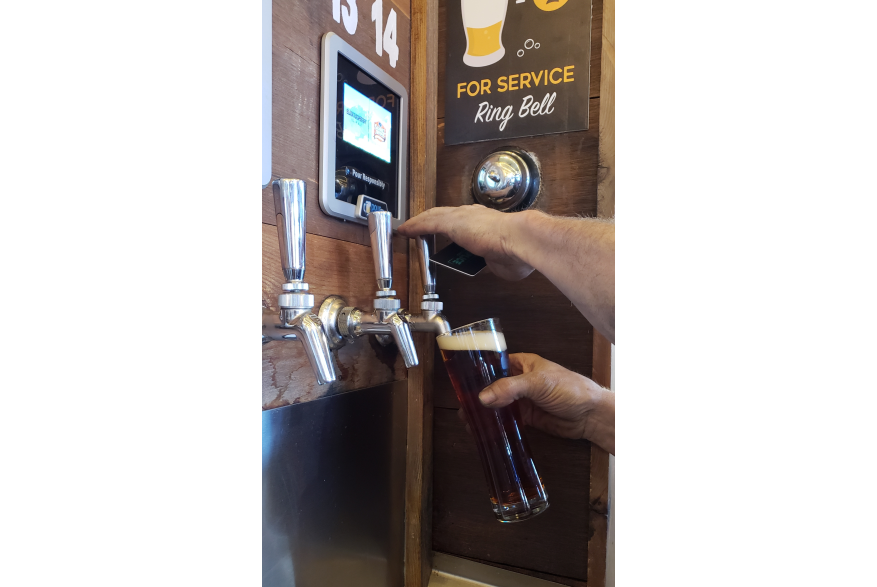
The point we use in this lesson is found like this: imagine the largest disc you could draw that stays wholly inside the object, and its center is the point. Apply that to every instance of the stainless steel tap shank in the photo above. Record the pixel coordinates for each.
(344, 323)
(297, 322)
(431, 318)
(428, 321)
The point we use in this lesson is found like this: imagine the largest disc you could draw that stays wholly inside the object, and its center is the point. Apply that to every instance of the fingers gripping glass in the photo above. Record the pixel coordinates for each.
(475, 356)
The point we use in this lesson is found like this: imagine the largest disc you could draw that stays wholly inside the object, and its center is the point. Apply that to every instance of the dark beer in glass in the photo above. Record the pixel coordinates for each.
(475, 356)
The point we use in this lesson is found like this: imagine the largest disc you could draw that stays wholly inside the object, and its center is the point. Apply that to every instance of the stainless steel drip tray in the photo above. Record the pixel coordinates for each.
(333, 490)
(451, 571)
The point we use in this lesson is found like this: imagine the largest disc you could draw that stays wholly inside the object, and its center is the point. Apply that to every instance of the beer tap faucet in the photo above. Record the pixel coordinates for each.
(431, 318)
(344, 323)
(297, 322)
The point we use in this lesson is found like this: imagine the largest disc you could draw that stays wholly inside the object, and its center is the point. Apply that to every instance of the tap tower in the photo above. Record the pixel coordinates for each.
(388, 321)
(297, 321)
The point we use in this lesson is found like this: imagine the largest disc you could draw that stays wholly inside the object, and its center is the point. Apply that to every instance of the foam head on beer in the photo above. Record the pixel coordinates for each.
(473, 341)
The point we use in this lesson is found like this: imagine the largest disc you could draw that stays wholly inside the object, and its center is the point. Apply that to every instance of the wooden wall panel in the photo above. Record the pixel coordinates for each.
(568, 163)
(596, 43)
(333, 267)
(602, 371)
(342, 263)
(568, 548)
(418, 498)
(298, 31)
(464, 524)
(606, 178)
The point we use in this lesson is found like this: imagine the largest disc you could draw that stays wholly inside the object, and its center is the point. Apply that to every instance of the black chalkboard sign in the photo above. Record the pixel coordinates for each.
(516, 68)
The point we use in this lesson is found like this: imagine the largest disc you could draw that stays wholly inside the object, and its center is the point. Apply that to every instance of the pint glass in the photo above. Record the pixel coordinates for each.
(475, 356)
(482, 22)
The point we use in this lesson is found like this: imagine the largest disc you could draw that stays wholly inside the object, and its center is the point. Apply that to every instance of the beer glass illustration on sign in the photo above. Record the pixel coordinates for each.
(483, 21)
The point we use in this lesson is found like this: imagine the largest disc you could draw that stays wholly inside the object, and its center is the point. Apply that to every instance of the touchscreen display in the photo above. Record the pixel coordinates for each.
(366, 125)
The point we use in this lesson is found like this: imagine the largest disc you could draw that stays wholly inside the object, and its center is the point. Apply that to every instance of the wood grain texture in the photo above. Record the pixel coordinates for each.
(596, 29)
(602, 370)
(299, 26)
(463, 523)
(298, 29)
(333, 267)
(569, 166)
(596, 42)
(423, 132)
(598, 516)
(606, 174)
(568, 163)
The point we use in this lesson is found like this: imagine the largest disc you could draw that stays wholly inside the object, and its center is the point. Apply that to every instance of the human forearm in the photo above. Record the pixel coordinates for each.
(577, 255)
(600, 422)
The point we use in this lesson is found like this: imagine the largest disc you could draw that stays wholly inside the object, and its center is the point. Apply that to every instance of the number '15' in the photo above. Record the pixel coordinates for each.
(385, 40)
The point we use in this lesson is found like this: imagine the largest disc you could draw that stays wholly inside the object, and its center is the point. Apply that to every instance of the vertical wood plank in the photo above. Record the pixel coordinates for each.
(423, 144)
(606, 150)
(602, 363)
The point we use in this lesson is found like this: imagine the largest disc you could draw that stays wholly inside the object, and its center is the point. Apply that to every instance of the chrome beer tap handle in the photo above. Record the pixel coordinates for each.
(289, 205)
(423, 253)
(296, 317)
(380, 228)
(430, 318)
(387, 307)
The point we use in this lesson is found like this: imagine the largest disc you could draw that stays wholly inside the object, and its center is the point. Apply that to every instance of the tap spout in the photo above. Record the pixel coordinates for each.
(394, 325)
(428, 322)
(308, 329)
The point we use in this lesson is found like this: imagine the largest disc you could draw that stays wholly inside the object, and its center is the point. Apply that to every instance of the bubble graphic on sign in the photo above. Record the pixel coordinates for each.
(528, 44)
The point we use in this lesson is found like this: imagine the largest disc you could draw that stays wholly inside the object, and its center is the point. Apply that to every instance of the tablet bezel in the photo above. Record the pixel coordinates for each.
(332, 46)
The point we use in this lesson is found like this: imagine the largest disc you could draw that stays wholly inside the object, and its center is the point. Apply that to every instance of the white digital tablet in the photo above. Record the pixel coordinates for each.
(363, 136)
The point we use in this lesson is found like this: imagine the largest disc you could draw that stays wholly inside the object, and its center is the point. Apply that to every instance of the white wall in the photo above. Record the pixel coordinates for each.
(267, 44)
(610, 543)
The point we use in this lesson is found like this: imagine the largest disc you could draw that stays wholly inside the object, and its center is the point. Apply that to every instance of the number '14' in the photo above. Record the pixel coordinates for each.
(388, 35)
(384, 40)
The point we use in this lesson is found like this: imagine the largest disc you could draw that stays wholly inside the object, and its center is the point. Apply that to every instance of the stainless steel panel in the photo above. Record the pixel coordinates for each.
(333, 490)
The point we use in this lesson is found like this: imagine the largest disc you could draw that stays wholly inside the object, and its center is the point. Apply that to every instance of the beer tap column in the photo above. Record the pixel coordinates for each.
(297, 321)
(344, 323)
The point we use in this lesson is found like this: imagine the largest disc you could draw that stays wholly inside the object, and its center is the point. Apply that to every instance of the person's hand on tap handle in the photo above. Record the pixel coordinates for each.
(487, 233)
